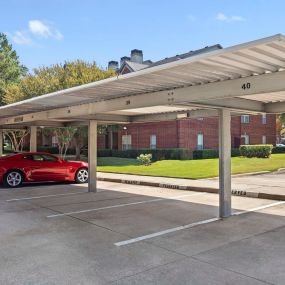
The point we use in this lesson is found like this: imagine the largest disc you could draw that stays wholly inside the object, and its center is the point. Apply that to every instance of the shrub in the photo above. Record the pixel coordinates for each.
(278, 149)
(261, 150)
(49, 149)
(157, 154)
(205, 153)
(145, 159)
(212, 153)
(103, 152)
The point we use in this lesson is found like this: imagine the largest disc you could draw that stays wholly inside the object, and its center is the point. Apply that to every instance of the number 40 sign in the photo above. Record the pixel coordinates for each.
(246, 86)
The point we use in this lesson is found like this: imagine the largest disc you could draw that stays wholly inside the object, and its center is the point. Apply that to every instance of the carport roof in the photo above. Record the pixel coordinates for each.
(264, 56)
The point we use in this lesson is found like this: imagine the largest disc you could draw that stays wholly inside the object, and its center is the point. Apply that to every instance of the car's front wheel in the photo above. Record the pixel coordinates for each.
(81, 175)
(13, 179)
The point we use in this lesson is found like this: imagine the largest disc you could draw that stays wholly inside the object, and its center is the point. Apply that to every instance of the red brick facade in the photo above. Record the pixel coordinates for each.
(183, 133)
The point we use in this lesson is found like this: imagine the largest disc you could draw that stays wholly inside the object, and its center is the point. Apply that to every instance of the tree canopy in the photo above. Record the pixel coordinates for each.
(53, 78)
(10, 68)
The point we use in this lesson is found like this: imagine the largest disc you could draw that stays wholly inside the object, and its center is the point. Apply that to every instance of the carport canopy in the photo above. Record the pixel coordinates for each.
(244, 79)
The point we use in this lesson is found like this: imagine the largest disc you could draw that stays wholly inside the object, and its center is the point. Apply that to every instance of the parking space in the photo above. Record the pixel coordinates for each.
(128, 234)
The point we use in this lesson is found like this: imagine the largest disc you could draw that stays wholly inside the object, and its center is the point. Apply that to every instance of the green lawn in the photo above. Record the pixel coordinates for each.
(193, 169)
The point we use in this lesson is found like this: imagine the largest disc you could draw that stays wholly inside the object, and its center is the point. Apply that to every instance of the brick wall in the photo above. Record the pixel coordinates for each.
(166, 134)
(183, 133)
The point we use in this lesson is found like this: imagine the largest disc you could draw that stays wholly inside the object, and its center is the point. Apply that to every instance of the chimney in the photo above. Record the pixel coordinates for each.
(113, 65)
(123, 59)
(137, 56)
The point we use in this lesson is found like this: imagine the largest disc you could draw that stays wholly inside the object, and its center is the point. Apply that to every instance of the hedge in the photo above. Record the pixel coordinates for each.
(260, 151)
(278, 149)
(157, 154)
(212, 153)
(49, 149)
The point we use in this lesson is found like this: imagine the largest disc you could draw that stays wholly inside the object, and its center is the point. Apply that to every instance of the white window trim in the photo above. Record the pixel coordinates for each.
(245, 119)
(152, 141)
(200, 145)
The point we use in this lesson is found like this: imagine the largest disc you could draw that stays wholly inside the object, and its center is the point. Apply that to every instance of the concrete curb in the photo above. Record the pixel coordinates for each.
(196, 188)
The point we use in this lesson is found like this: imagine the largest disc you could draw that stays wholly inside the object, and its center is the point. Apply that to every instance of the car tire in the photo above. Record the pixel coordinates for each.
(14, 179)
(81, 175)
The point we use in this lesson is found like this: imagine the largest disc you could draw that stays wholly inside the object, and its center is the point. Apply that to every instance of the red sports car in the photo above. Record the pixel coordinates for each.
(38, 167)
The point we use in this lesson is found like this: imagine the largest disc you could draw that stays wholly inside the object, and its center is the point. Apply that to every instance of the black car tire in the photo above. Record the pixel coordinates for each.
(81, 175)
(13, 179)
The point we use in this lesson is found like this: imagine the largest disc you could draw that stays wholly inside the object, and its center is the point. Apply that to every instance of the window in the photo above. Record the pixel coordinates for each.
(54, 141)
(264, 119)
(263, 139)
(44, 157)
(126, 142)
(37, 157)
(28, 157)
(244, 119)
(245, 138)
(152, 142)
(200, 141)
(49, 158)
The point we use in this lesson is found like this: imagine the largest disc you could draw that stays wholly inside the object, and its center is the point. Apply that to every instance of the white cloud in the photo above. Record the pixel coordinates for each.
(41, 29)
(36, 29)
(225, 18)
(21, 38)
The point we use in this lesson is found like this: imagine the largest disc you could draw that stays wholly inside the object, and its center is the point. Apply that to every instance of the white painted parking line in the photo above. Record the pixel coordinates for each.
(46, 196)
(133, 240)
(171, 230)
(124, 205)
(259, 208)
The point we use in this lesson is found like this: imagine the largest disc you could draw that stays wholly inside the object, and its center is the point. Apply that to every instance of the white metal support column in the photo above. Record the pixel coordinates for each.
(225, 163)
(92, 156)
(33, 139)
(1, 142)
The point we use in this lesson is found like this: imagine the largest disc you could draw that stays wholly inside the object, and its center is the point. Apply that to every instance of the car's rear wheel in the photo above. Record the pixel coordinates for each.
(81, 175)
(14, 179)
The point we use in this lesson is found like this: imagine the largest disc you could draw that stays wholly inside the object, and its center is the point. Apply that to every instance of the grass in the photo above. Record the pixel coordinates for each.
(193, 169)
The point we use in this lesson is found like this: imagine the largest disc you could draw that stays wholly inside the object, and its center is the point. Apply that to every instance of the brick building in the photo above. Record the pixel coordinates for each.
(201, 133)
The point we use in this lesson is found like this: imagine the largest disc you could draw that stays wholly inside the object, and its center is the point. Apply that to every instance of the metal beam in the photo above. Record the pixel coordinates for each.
(225, 163)
(92, 156)
(174, 116)
(235, 104)
(33, 139)
(224, 90)
(278, 107)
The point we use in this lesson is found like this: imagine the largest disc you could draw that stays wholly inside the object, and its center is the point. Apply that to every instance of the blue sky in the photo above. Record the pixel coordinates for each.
(47, 32)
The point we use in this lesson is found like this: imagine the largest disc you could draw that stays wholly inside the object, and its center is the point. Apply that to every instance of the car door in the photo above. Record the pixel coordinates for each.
(51, 168)
(31, 167)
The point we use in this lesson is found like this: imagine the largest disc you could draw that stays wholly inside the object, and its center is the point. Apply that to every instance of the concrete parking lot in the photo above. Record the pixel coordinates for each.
(128, 234)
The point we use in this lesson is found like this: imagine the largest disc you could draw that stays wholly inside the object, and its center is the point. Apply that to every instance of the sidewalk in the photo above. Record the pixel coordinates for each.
(265, 185)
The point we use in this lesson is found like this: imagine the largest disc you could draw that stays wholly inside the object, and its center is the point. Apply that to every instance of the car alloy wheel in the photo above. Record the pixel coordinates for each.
(82, 175)
(14, 179)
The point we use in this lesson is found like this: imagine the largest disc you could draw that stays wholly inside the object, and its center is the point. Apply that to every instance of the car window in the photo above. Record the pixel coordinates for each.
(28, 157)
(37, 157)
(49, 158)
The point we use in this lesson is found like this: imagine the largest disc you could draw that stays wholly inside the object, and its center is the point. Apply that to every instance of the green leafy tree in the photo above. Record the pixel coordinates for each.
(11, 70)
(54, 78)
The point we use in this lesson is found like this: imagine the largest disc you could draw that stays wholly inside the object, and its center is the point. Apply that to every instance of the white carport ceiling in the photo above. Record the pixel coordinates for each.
(249, 60)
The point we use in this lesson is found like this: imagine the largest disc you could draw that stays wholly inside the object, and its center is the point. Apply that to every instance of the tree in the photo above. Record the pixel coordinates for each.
(63, 136)
(56, 77)
(79, 140)
(11, 70)
(16, 138)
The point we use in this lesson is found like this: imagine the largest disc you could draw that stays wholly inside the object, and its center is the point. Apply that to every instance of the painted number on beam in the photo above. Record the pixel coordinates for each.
(246, 86)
